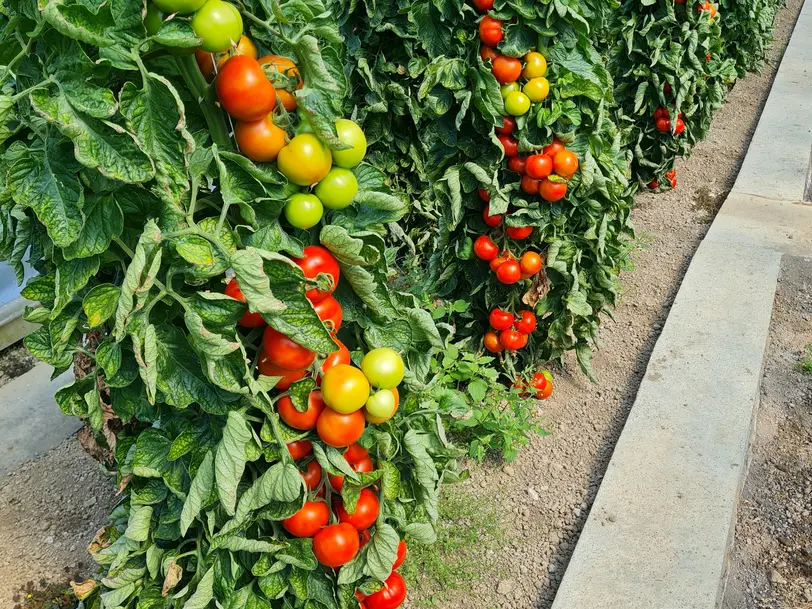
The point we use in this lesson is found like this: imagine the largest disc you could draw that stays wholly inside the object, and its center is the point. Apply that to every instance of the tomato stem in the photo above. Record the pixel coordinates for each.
(218, 129)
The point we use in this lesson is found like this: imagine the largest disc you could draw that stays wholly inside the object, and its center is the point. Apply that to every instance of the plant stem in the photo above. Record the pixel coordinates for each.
(218, 129)
(17, 58)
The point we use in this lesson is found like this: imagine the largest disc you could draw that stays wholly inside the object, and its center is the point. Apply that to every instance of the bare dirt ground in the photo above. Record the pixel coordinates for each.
(771, 565)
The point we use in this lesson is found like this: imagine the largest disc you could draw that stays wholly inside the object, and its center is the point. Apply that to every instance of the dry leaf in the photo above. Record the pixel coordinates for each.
(538, 289)
(83, 589)
(174, 573)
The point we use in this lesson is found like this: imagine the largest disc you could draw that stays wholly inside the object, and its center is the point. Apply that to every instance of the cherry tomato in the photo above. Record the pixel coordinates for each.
(490, 220)
(671, 174)
(366, 511)
(511, 340)
(355, 453)
(535, 65)
(342, 356)
(376, 420)
(552, 191)
(336, 545)
(530, 262)
(500, 320)
(288, 377)
(301, 420)
(508, 125)
(383, 367)
(543, 385)
(565, 163)
(362, 466)
(491, 341)
(365, 538)
(537, 89)
(339, 430)
(484, 195)
(219, 24)
(242, 88)
(391, 596)
(673, 182)
(518, 164)
(249, 320)
(401, 555)
(483, 6)
(517, 103)
(260, 140)
(351, 134)
(181, 7)
(539, 166)
(308, 521)
(337, 189)
(519, 232)
(488, 53)
(490, 31)
(485, 248)
(506, 69)
(710, 8)
(329, 311)
(659, 113)
(663, 125)
(299, 449)
(305, 160)
(284, 352)
(509, 144)
(495, 263)
(679, 127)
(317, 260)
(530, 186)
(509, 273)
(554, 148)
(526, 322)
(312, 476)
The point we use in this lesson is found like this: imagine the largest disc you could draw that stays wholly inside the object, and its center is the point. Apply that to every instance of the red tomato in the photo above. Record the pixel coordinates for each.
(365, 538)
(509, 144)
(401, 555)
(654, 185)
(671, 174)
(485, 248)
(484, 195)
(497, 262)
(542, 385)
(488, 53)
(667, 86)
(243, 89)
(309, 520)
(338, 429)
(491, 341)
(329, 311)
(490, 31)
(288, 377)
(391, 596)
(673, 182)
(336, 544)
(299, 449)
(342, 356)
(260, 140)
(508, 125)
(663, 125)
(552, 191)
(312, 476)
(526, 322)
(530, 263)
(658, 113)
(519, 232)
(489, 219)
(366, 511)
(518, 164)
(301, 420)
(509, 273)
(483, 6)
(565, 163)
(249, 320)
(355, 452)
(679, 127)
(554, 148)
(362, 466)
(539, 166)
(530, 186)
(317, 260)
(500, 320)
(284, 352)
(511, 340)
(507, 69)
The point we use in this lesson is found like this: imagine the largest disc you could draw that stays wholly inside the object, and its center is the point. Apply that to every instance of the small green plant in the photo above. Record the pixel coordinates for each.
(805, 365)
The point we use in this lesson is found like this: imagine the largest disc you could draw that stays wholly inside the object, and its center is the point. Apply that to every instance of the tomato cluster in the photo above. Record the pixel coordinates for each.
(546, 173)
(540, 386)
(708, 7)
(662, 121)
(509, 331)
(672, 179)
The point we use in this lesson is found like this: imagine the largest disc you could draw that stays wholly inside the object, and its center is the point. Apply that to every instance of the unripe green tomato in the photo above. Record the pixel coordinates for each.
(338, 188)
(351, 134)
(381, 404)
(303, 211)
(383, 367)
(154, 19)
(182, 7)
(219, 24)
(517, 103)
(509, 88)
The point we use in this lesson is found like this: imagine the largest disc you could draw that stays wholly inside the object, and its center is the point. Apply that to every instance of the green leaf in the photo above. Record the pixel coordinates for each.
(71, 276)
(229, 460)
(203, 594)
(140, 275)
(100, 303)
(151, 450)
(138, 524)
(146, 354)
(95, 416)
(89, 99)
(421, 532)
(300, 393)
(383, 551)
(103, 222)
(199, 493)
(76, 21)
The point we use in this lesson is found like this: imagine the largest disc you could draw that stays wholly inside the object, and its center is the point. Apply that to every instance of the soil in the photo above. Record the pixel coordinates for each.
(771, 563)
(15, 361)
(47, 516)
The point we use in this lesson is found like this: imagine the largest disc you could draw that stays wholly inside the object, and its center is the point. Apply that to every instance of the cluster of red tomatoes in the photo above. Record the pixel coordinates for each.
(544, 174)
(509, 331)
(662, 120)
(541, 384)
(670, 175)
(706, 6)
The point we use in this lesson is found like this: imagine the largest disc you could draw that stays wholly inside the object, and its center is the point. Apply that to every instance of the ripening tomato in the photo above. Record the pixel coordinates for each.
(303, 210)
(381, 405)
(710, 8)
(330, 312)
(260, 140)
(509, 88)
(342, 356)
(554, 148)
(509, 273)
(565, 164)
(490, 31)
(530, 263)
(485, 248)
(663, 125)
(312, 476)
(518, 164)
(366, 511)
(491, 341)
(487, 53)
(377, 420)
(305, 160)
(506, 69)
(517, 103)
(552, 191)
(362, 466)
(301, 420)
(508, 125)
(537, 89)
(299, 449)
(490, 220)
(339, 430)
(511, 340)
(535, 65)
(285, 66)
(181, 7)
(351, 134)
(337, 189)
(673, 182)
(483, 6)
(539, 166)
(679, 127)
(401, 555)
(287, 377)
(495, 263)
(660, 112)
(500, 320)
(522, 340)
(509, 144)
(154, 19)
(526, 322)
(345, 388)
(317, 260)
(243, 89)
(219, 24)
(249, 320)
(530, 186)
(383, 367)
(284, 352)
(309, 520)
(391, 596)
(336, 545)
(519, 232)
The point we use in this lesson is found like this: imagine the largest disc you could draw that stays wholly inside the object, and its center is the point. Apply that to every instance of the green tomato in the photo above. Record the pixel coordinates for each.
(338, 188)
(219, 24)
(182, 7)
(351, 134)
(383, 367)
(509, 88)
(517, 103)
(303, 211)
(154, 19)
(381, 404)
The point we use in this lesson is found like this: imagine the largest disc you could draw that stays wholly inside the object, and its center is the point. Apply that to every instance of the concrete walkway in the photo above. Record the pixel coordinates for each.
(31, 422)
(660, 529)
